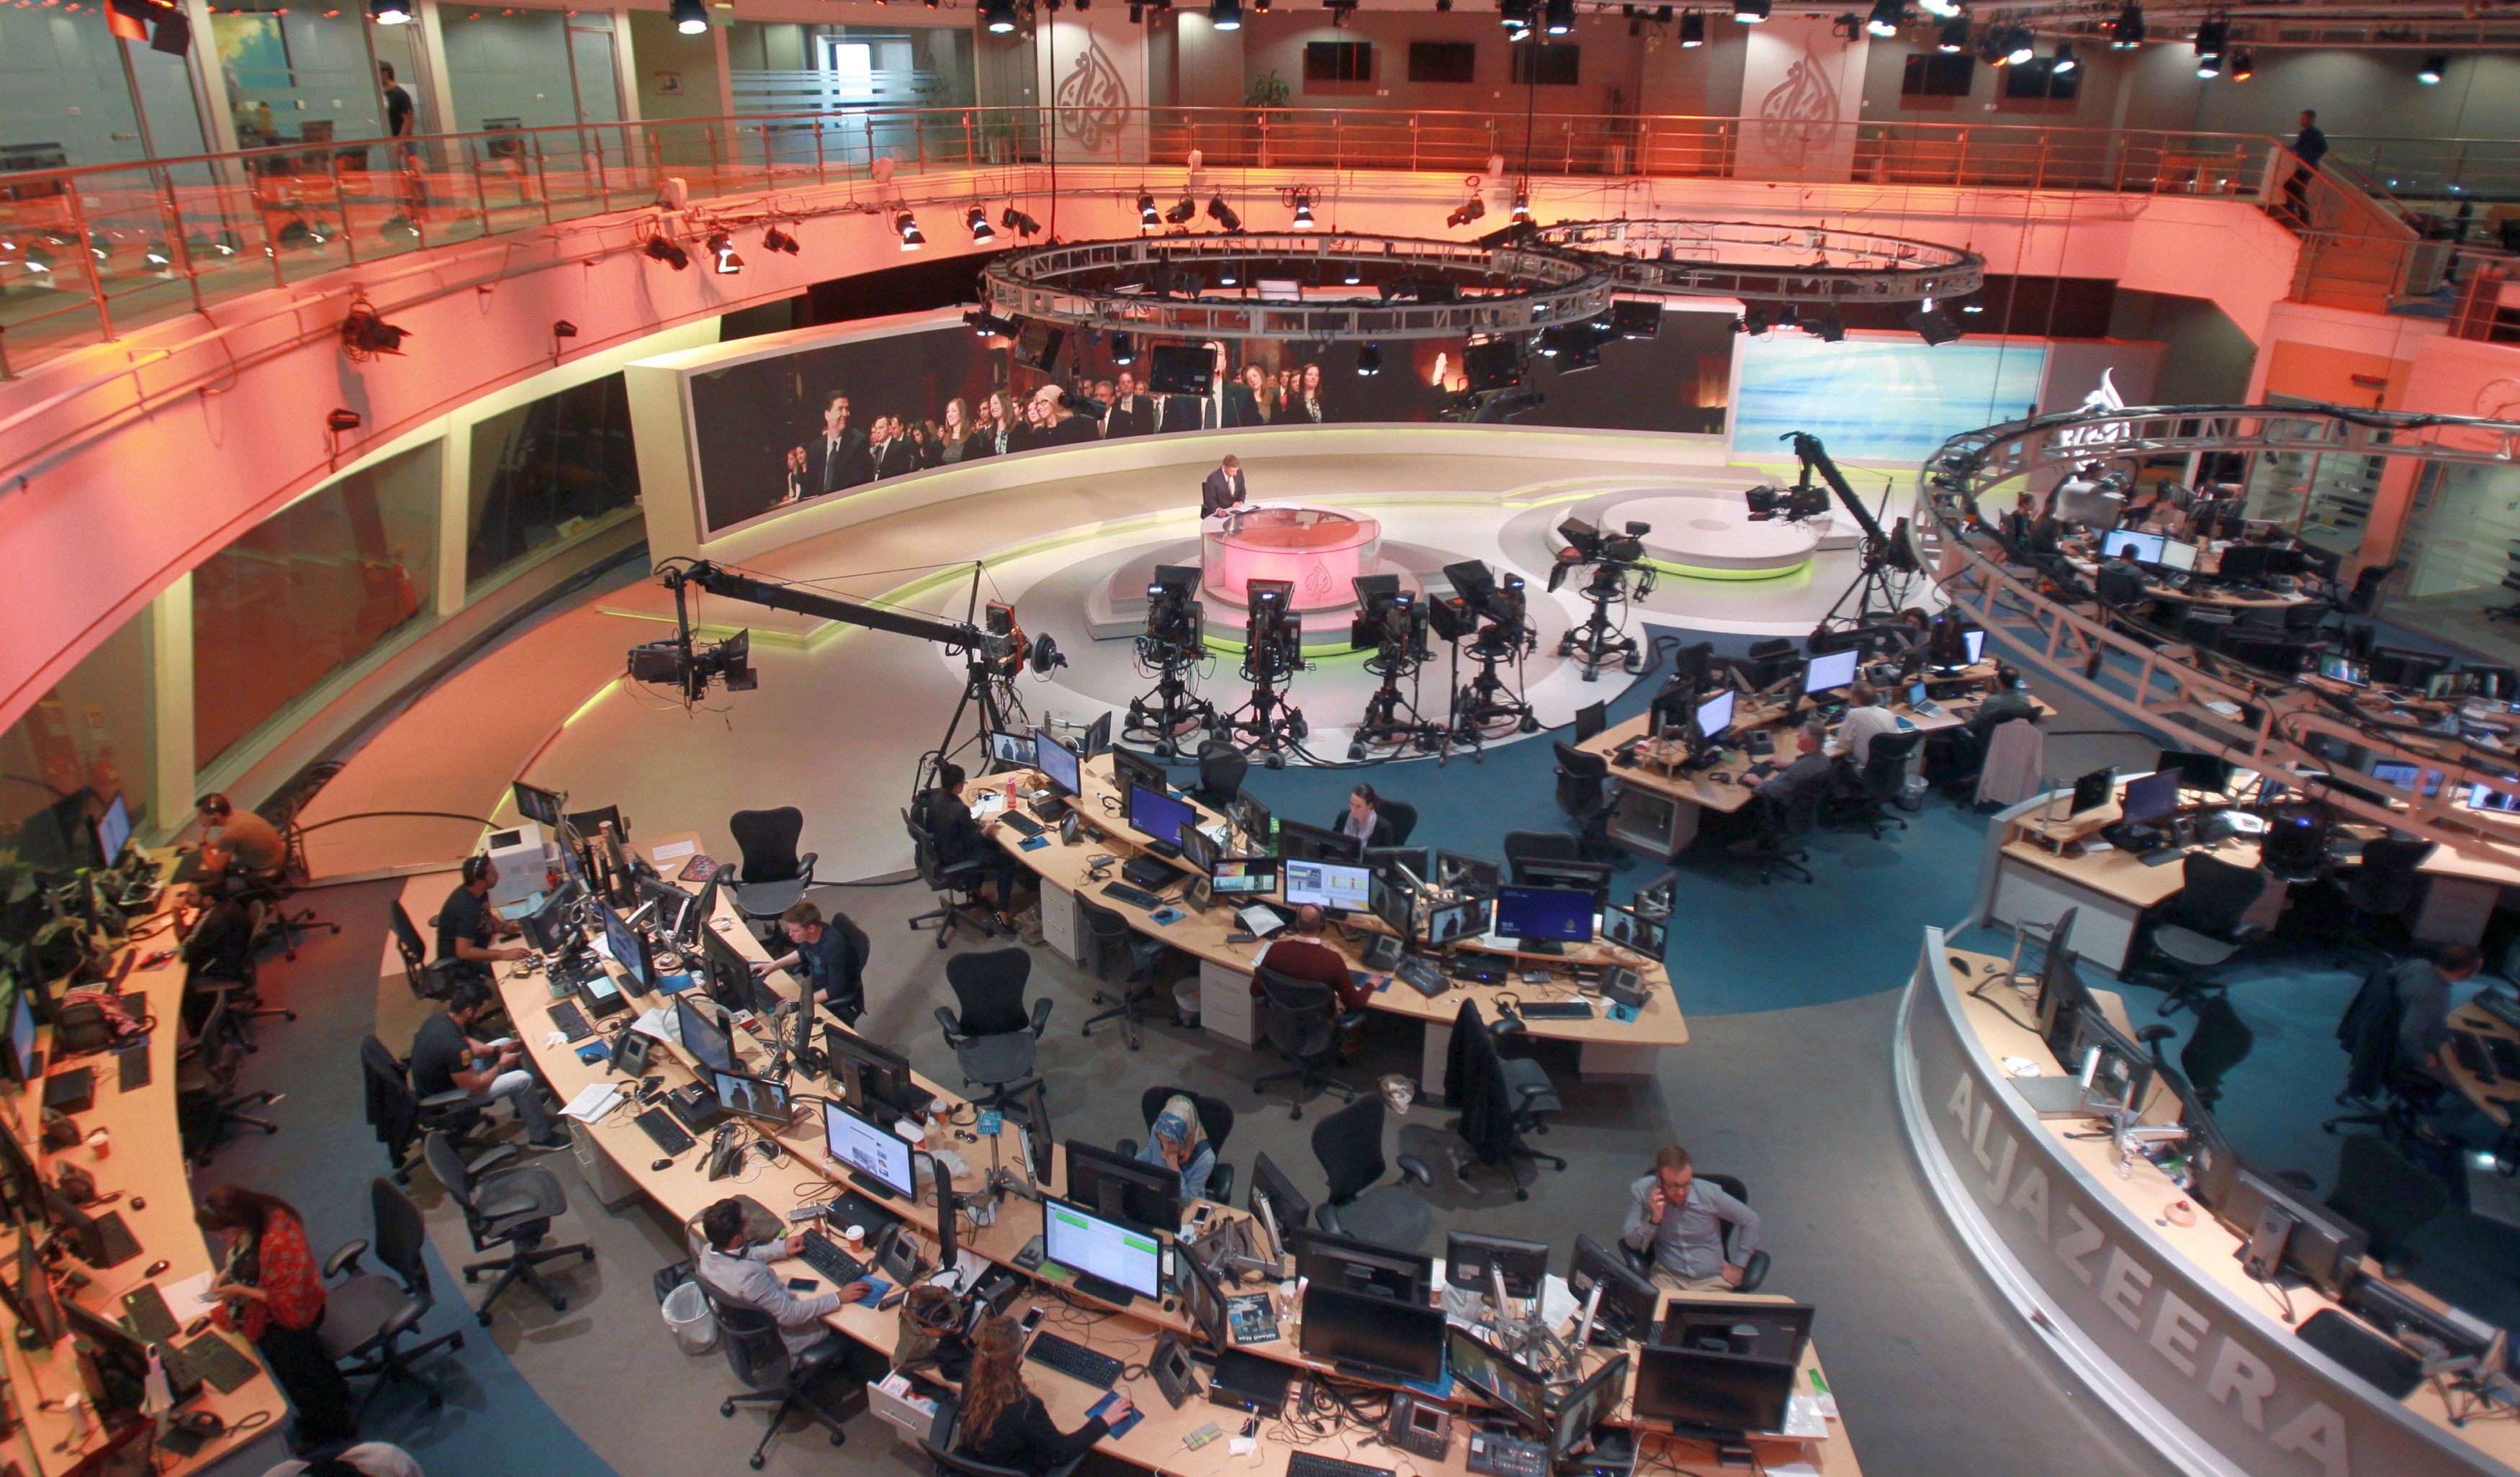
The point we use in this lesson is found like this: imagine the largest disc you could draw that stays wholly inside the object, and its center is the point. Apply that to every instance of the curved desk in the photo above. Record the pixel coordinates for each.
(1319, 551)
(2157, 1319)
(1609, 1047)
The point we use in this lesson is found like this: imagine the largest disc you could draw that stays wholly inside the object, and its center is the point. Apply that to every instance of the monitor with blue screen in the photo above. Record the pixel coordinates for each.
(114, 831)
(1562, 914)
(2142, 547)
(1058, 762)
(628, 950)
(1160, 815)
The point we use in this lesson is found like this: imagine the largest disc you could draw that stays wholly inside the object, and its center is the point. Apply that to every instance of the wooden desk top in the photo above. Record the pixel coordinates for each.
(1204, 935)
(2214, 597)
(1131, 1335)
(2150, 1192)
(144, 1158)
(2487, 1097)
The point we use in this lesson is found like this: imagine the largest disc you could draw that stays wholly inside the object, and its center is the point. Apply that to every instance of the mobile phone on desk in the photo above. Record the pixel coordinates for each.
(1031, 1321)
(802, 1284)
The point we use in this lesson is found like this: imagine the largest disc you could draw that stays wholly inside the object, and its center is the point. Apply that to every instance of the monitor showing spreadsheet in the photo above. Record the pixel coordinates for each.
(1112, 1250)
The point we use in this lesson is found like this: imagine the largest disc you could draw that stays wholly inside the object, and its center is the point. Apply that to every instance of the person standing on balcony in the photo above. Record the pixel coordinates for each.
(2308, 147)
(400, 119)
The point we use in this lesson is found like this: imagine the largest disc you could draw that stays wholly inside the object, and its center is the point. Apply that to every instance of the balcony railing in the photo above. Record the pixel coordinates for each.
(88, 254)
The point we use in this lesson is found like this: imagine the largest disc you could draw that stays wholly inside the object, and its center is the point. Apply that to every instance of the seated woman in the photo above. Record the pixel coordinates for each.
(1362, 820)
(1002, 1423)
(961, 837)
(1178, 1141)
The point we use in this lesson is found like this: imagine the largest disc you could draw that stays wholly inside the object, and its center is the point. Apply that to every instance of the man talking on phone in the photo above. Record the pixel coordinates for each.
(1680, 1218)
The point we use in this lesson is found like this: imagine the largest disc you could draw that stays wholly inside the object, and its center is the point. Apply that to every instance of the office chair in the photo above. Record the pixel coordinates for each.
(775, 1380)
(1591, 719)
(1215, 1119)
(1879, 783)
(1348, 1144)
(1779, 823)
(2364, 597)
(2199, 926)
(2381, 890)
(208, 1109)
(2386, 1193)
(994, 1043)
(1522, 846)
(401, 1118)
(1584, 794)
(1300, 1017)
(1118, 954)
(2122, 596)
(2206, 630)
(1754, 1272)
(955, 885)
(1221, 768)
(512, 1208)
(1402, 817)
(1519, 1083)
(273, 888)
(2394, 1098)
(773, 877)
(367, 1314)
(2220, 1042)
(972, 1466)
(429, 978)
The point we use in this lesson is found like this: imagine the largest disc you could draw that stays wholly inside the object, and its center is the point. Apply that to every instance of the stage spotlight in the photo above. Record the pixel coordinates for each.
(1303, 212)
(1972, 307)
(1467, 211)
(1886, 17)
(1693, 30)
(691, 17)
(2065, 60)
(1952, 36)
(1228, 276)
(660, 248)
(1933, 325)
(2209, 65)
(1221, 213)
(391, 12)
(1136, 13)
(365, 334)
(999, 15)
(1148, 216)
(2210, 38)
(1016, 221)
(2244, 65)
(1355, 273)
(1442, 7)
(2430, 74)
(987, 324)
(342, 422)
(2128, 34)
(1183, 213)
(776, 240)
(1946, 8)
(1514, 15)
(2018, 46)
(1752, 11)
(1521, 209)
(1123, 349)
(722, 246)
(976, 221)
(905, 226)
(1558, 18)
(1827, 329)
(1224, 14)
(1369, 359)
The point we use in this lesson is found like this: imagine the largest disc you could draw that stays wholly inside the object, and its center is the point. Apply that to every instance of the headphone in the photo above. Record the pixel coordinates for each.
(477, 866)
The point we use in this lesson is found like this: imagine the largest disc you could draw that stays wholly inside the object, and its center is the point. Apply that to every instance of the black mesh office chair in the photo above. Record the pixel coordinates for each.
(1480, 1079)
(956, 884)
(2218, 1042)
(1780, 824)
(1215, 1119)
(509, 1208)
(429, 978)
(2365, 595)
(2386, 1193)
(1522, 846)
(1348, 1144)
(209, 1108)
(1221, 768)
(773, 876)
(1300, 1018)
(961, 1465)
(995, 1043)
(367, 1314)
(1879, 783)
(2382, 889)
(275, 886)
(2392, 1095)
(2200, 926)
(1121, 956)
(775, 1380)
(402, 1118)
(1400, 816)
(1754, 1272)
(1583, 794)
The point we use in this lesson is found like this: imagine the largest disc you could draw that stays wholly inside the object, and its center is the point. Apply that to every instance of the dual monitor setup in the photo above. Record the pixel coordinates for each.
(1701, 708)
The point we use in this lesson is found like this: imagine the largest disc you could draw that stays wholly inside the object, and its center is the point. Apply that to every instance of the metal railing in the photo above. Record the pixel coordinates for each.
(87, 254)
(2436, 171)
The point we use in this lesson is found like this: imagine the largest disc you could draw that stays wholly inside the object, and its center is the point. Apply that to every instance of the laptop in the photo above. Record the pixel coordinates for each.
(1922, 706)
(1260, 919)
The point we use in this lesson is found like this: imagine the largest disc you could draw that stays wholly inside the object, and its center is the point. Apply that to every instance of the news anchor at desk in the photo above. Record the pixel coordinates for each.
(1680, 1218)
(1224, 489)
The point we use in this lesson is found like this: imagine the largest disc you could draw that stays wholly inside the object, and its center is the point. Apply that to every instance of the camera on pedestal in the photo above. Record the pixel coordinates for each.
(1391, 624)
(1493, 618)
(1613, 557)
(1171, 645)
(1273, 653)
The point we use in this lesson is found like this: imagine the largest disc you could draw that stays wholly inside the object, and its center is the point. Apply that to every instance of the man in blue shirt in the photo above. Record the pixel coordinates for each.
(1680, 1220)
(2308, 146)
(834, 968)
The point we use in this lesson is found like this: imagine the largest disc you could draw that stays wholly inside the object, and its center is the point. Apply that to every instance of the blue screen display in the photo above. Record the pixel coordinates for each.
(1058, 761)
(1878, 399)
(1159, 816)
(1564, 913)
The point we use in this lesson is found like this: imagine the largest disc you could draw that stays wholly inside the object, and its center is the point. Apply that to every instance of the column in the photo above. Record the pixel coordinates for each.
(170, 675)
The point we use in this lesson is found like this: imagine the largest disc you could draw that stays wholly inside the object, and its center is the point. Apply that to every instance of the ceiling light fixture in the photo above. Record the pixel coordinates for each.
(391, 12)
(1561, 17)
(1693, 30)
(905, 226)
(2128, 34)
(1752, 11)
(976, 221)
(2244, 65)
(1950, 38)
(1887, 16)
(722, 246)
(2430, 74)
(1146, 212)
(1224, 14)
(691, 17)
(2065, 60)
(1369, 360)
(999, 15)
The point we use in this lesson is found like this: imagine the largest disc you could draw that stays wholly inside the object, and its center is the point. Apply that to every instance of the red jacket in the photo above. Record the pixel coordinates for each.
(289, 1280)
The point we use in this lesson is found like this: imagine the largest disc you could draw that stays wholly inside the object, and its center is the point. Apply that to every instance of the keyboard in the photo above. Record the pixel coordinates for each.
(570, 1022)
(1135, 897)
(661, 1128)
(115, 1240)
(146, 1314)
(1075, 1361)
(2470, 1052)
(1557, 1009)
(1022, 824)
(1311, 1464)
(213, 1359)
(825, 1256)
(2502, 1006)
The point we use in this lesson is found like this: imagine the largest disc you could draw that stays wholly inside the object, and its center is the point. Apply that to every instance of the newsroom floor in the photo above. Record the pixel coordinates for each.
(1933, 1372)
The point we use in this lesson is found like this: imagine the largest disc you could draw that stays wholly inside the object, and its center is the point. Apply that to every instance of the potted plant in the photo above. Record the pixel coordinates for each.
(1265, 91)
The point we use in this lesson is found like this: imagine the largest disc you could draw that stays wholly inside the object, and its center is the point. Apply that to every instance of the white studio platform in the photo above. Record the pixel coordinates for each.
(1702, 532)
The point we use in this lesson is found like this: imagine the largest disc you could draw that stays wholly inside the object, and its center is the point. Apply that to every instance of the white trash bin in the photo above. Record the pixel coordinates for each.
(687, 1314)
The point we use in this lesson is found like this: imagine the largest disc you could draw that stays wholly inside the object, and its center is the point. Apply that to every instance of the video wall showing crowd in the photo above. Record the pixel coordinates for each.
(1888, 399)
(839, 418)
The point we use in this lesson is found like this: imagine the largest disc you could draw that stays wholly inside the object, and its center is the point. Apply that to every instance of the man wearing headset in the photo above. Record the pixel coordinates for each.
(466, 926)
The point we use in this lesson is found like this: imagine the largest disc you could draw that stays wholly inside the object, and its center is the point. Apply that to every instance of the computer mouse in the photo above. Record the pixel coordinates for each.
(661, 1164)
(194, 1328)
(156, 1268)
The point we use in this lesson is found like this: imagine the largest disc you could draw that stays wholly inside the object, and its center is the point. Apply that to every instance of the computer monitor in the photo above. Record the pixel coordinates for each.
(1631, 931)
(2336, 666)
(2150, 797)
(1626, 1312)
(1569, 876)
(1204, 1301)
(2060, 984)
(1119, 1188)
(1242, 876)
(731, 982)
(1973, 645)
(629, 950)
(1769, 1330)
(2398, 773)
(2093, 791)
(1097, 737)
(1468, 1255)
(1697, 1390)
(1033, 1109)
(1328, 885)
(2142, 547)
(1058, 764)
(1473, 876)
(704, 1041)
(1199, 850)
(21, 1064)
(1125, 1255)
(1713, 716)
(1015, 749)
(1155, 814)
(1129, 767)
(31, 1298)
(1285, 1205)
(113, 831)
(1545, 912)
(2485, 798)
(755, 1098)
(1388, 860)
(867, 1148)
(2178, 553)
(121, 1361)
(673, 905)
(697, 918)
(1827, 672)
(1299, 842)
(78, 1230)
(1450, 921)
(1251, 817)
(538, 804)
(2247, 562)
(2412, 1322)
(1499, 1380)
(2210, 773)
(873, 1078)
(2292, 1233)
(1374, 1335)
(1587, 1406)
(2115, 1068)
(1395, 903)
(1346, 1263)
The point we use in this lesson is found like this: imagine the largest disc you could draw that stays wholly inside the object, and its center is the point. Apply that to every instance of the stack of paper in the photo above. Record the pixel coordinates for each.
(594, 1101)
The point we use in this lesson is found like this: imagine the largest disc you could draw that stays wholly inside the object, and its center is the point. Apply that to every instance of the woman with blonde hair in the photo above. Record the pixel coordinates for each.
(1002, 1423)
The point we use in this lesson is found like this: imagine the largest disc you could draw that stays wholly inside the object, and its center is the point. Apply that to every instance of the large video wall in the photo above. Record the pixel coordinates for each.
(835, 420)
(1887, 399)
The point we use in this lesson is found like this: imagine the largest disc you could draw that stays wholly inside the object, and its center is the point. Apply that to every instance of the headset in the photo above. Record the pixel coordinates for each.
(477, 866)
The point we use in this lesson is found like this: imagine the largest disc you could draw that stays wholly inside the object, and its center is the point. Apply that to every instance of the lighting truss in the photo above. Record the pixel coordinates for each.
(1755, 262)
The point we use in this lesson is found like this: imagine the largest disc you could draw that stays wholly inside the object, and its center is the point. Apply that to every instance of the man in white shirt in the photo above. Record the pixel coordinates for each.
(1865, 720)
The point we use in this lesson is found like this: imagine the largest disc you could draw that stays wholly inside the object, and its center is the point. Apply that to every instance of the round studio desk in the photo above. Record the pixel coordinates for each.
(2157, 1320)
(1319, 551)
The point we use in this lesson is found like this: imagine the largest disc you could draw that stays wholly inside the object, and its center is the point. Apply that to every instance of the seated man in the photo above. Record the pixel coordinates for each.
(1680, 1218)
(218, 951)
(2423, 988)
(1812, 766)
(1865, 720)
(466, 926)
(960, 837)
(1299, 954)
(738, 1271)
(238, 840)
(835, 969)
(445, 1057)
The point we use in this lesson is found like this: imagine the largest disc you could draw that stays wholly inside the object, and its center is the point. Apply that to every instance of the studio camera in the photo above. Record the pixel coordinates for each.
(1615, 557)
(1175, 619)
(1791, 504)
(690, 667)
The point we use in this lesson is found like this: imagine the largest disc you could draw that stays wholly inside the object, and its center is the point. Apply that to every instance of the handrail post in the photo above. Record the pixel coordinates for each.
(181, 252)
(542, 178)
(341, 207)
(95, 276)
(480, 191)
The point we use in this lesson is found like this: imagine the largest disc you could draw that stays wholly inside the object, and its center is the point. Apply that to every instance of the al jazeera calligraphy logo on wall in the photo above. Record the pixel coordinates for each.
(1093, 98)
(1800, 113)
